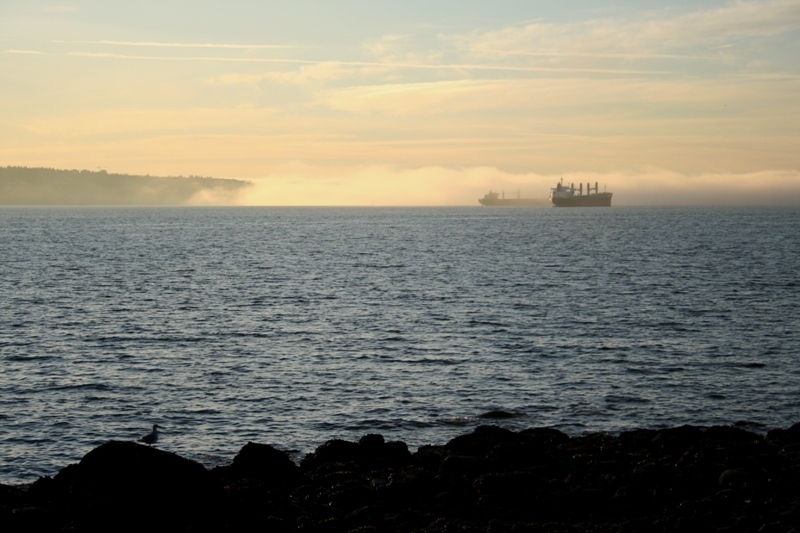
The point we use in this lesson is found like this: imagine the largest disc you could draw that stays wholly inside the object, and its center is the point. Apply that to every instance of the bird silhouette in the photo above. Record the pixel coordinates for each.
(151, 437)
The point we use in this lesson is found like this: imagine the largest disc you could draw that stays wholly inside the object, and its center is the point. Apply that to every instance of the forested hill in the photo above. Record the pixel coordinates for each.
(47, 186)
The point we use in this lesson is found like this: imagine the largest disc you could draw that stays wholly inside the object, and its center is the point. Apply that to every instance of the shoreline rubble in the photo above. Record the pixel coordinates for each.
(687, 478)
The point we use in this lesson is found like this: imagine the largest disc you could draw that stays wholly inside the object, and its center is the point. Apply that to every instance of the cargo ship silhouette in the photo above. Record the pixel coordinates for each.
(568, 196)
(494, 199)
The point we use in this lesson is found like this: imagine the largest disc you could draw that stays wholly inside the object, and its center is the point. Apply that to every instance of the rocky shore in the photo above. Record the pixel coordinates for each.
(721, 478)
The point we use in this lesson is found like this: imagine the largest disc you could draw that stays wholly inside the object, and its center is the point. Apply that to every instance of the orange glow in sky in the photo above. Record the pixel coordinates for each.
(412, 103)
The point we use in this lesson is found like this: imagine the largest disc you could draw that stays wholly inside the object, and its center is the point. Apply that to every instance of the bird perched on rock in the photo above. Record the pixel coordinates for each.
(151, 437)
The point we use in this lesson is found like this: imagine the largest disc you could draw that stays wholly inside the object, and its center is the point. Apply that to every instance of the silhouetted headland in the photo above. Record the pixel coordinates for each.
(689, 478)
(47, 186)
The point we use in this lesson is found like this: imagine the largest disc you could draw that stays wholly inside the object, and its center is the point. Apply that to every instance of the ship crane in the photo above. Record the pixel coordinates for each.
(519, 195)
(571, 196)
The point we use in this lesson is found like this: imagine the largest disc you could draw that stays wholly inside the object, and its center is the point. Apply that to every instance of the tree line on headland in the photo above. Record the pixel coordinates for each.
(48, 186)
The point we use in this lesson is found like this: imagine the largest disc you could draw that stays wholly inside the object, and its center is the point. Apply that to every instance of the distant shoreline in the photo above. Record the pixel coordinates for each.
(23, 186)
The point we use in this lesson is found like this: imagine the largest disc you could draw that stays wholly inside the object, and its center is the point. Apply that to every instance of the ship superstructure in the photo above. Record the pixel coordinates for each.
(568, 196)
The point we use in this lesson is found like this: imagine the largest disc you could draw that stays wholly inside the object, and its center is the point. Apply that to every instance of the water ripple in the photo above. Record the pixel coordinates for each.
(293, 326)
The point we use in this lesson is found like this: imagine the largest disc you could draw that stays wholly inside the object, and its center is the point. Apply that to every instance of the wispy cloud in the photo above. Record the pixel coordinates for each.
(387, 45)
(153, 44)
(148, 121)
(392, 65)
(706, 92)
(593, 46)
(601, 55)
(33, 52)
(652, 35)
(578, 93)
(59, 9)
(109, 55)
(737, 19)
(301, 76)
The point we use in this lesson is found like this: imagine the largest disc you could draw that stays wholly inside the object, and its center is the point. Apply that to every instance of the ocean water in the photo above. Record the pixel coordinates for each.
(292, 326)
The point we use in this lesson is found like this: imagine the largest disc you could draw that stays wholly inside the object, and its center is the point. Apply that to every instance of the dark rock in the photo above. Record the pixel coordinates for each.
(371, 440)
(785, 436)
(675, 441)
(544, 436)
(125, 468)
(371, 451)
(406, 488)
(492, 479)
(732, 479)
(264, 463)
(332, 451)
(379, 454)
(481, 441)
(731, 434)
(116, 482)
(466, 466)
(11, 497)
(513, 484)
(499, 415)
(429, 457)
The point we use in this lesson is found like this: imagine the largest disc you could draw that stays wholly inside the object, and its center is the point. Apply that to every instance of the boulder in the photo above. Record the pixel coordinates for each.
(371, 451)
(481, 441)
(264, 463)
(124, 486)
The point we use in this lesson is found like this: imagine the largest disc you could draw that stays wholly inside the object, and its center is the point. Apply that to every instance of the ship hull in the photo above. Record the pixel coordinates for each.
(590, 200)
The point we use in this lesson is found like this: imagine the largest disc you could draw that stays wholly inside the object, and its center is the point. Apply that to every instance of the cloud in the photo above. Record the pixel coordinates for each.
(33, 52)
(59, 9)
(735, 20)
(109, 55)
(386, 66)
(324, 71)
(387, 46)
(155, 44)
(546, 94)
(413, 98)
(148, 121)
(654, 35)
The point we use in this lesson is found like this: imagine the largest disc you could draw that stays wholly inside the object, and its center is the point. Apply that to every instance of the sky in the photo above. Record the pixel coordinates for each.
(420, 102)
